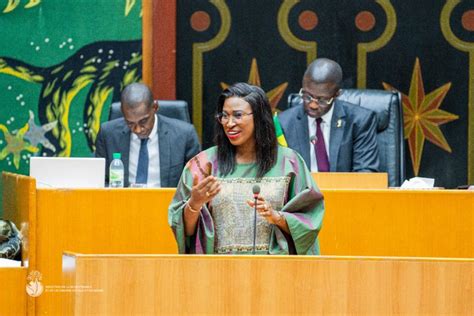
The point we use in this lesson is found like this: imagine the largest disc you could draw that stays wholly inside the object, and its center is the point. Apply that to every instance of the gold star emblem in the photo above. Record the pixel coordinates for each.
(422, 116)
(15, 144)
(274, 95)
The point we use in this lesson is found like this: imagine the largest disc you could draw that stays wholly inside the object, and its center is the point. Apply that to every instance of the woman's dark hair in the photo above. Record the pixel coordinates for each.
(265, 138)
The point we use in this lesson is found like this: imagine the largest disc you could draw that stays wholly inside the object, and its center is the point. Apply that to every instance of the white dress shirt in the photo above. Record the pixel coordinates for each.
(153, 157)
(326, 129)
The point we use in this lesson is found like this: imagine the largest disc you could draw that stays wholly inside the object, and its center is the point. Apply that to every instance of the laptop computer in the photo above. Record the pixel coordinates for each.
(68, 172)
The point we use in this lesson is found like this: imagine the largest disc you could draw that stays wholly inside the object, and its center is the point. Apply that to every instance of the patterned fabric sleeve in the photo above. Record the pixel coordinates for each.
(202, 241)
(303, 211)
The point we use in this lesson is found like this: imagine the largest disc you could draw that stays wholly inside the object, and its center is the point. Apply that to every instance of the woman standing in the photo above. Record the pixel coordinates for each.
(213, 208)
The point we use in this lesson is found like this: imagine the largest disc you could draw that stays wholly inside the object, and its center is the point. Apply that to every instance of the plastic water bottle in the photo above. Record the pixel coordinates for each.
(116, 172)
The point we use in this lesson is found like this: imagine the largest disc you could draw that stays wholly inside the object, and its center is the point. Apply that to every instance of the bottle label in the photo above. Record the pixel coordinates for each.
(116, 176)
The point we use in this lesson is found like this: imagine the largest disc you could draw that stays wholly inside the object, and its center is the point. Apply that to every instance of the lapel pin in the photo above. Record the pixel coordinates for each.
(339, 123)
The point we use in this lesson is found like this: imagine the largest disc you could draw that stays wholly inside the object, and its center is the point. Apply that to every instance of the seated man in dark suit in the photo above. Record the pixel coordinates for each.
(330, 134)
(154, 148)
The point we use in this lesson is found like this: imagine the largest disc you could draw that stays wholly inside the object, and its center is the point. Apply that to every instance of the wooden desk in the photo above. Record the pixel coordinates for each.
(12, 291)
(89, 221)
(351, 180)
(267, 285)
(120, 221)
(422, 223)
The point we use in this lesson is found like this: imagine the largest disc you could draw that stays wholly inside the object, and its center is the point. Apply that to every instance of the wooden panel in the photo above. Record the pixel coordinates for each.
(12, 291)
(147, 43)
(19, 204)
(351, 180)
(159, 47)
(10, 207)
(357, 222)
(425, 223)
(268, 285)
(98, 221)
(164, 49)
(26, 197)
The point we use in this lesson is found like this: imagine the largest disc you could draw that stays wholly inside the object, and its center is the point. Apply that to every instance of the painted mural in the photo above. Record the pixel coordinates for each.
(61, 65)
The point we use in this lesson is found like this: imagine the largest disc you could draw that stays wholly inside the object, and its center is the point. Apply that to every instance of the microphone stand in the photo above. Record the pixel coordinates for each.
(254, 222)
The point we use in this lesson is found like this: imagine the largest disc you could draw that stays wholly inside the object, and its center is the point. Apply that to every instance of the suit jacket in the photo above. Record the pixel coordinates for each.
(353, 142)
(177, 141)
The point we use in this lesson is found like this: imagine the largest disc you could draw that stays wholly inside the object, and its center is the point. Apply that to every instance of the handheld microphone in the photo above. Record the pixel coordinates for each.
(313, 139)
(256, 192)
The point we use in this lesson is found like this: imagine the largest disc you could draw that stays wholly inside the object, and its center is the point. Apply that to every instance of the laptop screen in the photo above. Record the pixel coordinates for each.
(68, 172)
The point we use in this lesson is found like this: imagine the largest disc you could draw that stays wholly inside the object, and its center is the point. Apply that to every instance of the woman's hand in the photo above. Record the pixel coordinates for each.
(266, 210)
(204, 191)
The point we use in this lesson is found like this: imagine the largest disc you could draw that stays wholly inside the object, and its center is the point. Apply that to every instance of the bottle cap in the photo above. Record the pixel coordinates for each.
(117, 155)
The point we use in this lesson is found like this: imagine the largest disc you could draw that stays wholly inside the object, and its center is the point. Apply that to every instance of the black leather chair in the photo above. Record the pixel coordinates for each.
(177, 109)
(388, 109)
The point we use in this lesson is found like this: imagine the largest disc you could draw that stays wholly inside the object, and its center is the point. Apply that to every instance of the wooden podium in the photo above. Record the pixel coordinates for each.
(89, 221)
(135, 221)
(266, 285)
(12, 291)
(351, 180)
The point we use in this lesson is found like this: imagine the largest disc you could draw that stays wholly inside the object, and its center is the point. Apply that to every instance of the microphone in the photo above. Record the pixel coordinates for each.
(256, 192)
(313, 139)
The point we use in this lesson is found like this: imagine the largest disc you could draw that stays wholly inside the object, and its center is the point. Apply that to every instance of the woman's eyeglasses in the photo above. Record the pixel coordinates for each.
(237, 116)
(321, 101)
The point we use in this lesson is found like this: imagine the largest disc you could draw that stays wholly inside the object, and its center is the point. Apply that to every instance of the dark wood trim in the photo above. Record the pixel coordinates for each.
(164, 49)
(147, 42)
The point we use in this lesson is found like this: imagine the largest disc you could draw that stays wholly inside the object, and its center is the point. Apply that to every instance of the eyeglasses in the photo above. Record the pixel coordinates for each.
(237, 116)
(308, 99)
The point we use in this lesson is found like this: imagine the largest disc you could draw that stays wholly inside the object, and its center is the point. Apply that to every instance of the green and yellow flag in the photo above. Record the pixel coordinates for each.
(279, 132)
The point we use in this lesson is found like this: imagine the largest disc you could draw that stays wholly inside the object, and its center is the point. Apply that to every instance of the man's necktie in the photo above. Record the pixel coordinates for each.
(142, 168)
(320, 148)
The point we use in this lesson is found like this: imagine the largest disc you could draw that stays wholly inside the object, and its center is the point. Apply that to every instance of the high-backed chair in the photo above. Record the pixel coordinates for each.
(388, 109)
(177, 109)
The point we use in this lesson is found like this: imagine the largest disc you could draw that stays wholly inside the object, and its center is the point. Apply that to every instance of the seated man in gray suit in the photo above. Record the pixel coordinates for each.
(330, 134)
(154, 148)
